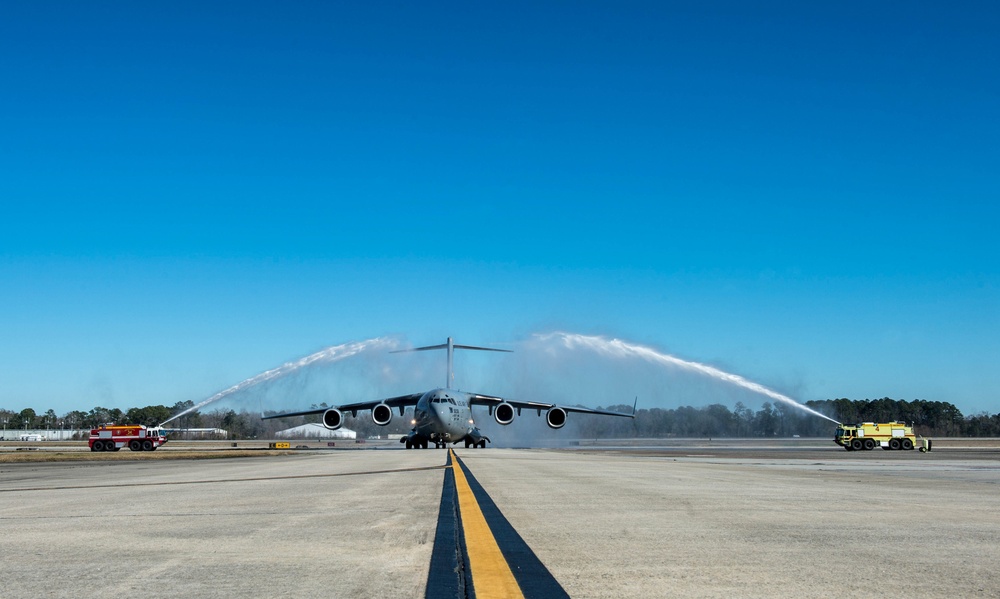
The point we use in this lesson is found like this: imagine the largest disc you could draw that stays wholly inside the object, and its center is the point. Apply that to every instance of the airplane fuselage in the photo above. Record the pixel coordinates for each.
(443, 416)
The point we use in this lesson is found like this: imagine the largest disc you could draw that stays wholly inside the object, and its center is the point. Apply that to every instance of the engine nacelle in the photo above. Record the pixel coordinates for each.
(333, 419)
(555, 417)
(504, 413)
(381, 414)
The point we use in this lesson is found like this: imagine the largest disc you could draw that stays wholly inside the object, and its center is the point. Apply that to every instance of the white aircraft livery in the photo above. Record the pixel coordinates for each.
(444, 415)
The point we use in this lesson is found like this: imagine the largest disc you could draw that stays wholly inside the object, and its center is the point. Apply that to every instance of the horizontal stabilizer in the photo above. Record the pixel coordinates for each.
(454, 346)
(451, 347)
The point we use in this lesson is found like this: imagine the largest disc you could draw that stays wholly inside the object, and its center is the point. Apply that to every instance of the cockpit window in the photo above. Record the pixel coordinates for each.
(451, 401)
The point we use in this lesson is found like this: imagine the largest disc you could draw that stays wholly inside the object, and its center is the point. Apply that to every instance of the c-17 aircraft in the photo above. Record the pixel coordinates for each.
(444, 415)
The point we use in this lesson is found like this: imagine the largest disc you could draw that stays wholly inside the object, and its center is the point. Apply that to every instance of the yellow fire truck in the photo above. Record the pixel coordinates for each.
(887, 435)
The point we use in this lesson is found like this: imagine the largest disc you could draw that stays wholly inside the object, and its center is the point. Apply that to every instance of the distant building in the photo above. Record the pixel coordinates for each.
(315, 431)
(198, 433)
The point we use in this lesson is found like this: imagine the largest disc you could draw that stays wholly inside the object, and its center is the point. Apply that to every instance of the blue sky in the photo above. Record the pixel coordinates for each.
(805, 195)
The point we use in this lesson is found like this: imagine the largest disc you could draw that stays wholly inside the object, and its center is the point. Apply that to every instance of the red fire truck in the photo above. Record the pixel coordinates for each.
(110, 437)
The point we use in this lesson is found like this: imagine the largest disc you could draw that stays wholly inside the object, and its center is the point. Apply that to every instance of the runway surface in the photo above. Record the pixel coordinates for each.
(716, 521)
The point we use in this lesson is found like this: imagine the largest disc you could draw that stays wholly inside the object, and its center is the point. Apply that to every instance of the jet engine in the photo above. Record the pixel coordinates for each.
(504, 413)
(333, 419)
(381, 414)
(555, 417)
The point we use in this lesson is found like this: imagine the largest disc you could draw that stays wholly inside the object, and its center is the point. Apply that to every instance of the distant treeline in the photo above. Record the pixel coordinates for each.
(931, 418)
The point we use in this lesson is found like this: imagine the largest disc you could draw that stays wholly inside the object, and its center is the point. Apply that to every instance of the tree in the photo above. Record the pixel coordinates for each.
(744, 420)
(28, 418)
(189, 420)
(766, 421)
(149, 416)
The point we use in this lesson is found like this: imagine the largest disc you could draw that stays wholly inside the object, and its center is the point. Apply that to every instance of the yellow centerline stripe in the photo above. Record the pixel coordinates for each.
(491, 575)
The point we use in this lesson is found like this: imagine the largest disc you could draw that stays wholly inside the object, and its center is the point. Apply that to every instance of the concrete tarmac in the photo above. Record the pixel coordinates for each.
(606, 523)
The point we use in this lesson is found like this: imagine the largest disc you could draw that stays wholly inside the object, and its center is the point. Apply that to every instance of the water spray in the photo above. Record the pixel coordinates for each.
(333, 353)
(621, 349)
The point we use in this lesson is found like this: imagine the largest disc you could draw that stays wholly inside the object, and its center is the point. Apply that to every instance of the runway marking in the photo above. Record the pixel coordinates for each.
(491, 575)
(221, 480)
(477, 553)
(447, 574)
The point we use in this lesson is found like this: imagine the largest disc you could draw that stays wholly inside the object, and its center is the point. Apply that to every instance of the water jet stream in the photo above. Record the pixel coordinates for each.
(621, 349)
(333, 353)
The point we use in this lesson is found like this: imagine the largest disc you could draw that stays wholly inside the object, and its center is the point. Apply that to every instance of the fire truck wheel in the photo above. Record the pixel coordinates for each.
(907, 444)
(857, 444)
(134, 446)
(894, 444)
(97, 446)
(147, 445)
(869, 444)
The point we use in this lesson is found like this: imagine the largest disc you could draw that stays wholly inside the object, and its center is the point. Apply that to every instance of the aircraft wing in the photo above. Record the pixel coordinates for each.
(400, 402)
(493, 401)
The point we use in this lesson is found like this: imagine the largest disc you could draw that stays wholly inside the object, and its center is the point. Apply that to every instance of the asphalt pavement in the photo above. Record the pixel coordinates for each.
(677, 522)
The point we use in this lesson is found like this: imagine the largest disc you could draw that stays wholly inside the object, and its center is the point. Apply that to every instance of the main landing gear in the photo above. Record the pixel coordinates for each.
(422, 443)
